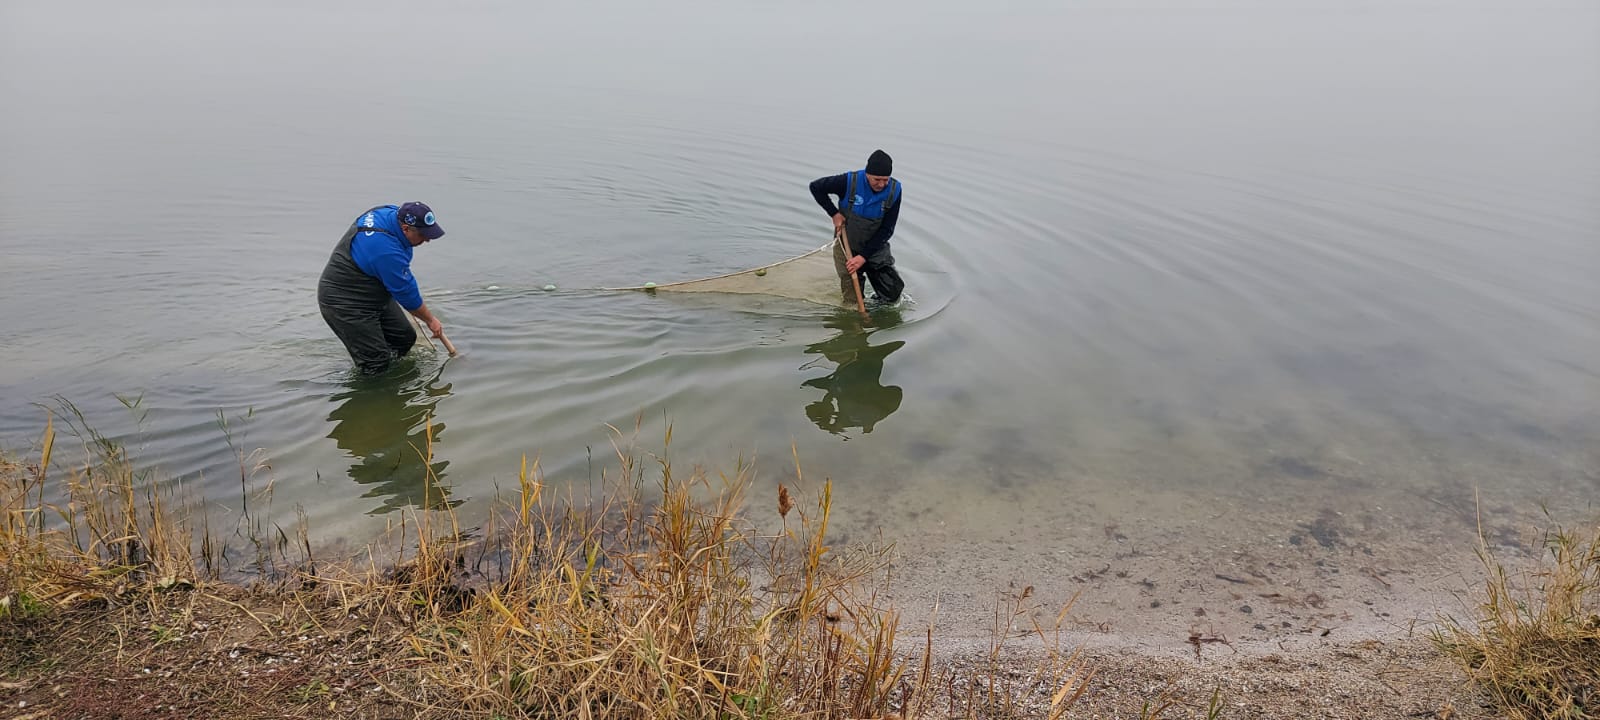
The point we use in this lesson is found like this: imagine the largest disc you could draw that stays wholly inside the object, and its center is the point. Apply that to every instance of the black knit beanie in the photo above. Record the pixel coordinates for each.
(880, 164)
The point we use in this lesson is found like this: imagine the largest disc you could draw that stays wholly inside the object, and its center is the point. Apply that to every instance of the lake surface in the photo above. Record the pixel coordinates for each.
(1157, 253)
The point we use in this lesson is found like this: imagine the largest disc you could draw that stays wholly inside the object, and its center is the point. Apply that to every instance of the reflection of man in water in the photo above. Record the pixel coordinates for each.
(855, 396)
(382, 422)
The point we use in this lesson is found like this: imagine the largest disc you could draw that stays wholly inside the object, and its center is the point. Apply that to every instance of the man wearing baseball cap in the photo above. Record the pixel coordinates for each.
(367, 286)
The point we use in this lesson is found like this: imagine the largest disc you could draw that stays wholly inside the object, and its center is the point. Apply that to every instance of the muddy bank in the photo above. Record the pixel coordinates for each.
(226, 653)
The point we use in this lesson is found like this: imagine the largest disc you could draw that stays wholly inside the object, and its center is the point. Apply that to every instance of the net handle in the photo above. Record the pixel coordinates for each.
(855, 279)
(423, 331)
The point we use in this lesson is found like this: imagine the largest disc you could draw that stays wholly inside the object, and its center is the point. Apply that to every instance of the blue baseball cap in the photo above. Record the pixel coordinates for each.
(420, 216)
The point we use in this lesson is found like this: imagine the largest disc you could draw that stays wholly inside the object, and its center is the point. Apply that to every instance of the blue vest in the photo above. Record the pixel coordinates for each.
(385, 238)
(861, 201)
(384, 253)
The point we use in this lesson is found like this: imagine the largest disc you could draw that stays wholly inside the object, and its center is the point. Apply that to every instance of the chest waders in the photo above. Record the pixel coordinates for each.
(360, 310)
(879, 268)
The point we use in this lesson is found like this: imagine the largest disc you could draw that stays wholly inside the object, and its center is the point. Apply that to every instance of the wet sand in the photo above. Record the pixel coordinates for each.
(1307, 589)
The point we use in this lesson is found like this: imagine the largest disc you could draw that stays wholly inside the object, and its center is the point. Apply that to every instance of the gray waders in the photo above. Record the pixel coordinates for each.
(360, 310)
(879, 268)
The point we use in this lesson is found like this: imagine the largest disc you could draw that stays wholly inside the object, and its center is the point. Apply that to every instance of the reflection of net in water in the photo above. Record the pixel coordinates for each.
(810, 277)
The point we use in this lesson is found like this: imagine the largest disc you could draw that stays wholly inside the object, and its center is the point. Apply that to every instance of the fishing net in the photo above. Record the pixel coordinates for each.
(811, 277)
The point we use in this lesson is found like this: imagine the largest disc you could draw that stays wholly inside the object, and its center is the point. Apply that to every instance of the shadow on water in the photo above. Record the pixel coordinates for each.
(383, 423)
(853, 394)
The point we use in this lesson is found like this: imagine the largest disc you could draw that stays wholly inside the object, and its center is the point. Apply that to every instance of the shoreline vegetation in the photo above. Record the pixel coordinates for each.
(664, 598)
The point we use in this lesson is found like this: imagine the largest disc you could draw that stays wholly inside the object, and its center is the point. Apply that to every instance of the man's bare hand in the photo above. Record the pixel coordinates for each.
(435, 327)
(838, 223)
(853, 265)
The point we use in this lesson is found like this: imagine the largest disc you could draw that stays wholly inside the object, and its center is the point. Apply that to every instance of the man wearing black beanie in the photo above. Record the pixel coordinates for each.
(869, 206)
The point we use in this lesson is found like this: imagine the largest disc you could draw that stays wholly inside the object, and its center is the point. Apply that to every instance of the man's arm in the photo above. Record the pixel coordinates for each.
(822, 187)
(395, 271)
(434, 326)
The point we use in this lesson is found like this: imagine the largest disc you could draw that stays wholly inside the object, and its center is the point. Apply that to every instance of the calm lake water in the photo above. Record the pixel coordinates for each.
(1159, 251)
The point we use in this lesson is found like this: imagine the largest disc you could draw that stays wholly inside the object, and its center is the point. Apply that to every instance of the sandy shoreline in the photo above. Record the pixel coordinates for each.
(1368, 679)
(1289, 635)
(1313, 601)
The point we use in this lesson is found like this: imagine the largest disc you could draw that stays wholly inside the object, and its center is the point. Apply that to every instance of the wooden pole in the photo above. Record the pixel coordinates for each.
(855, 280)
(423, 331)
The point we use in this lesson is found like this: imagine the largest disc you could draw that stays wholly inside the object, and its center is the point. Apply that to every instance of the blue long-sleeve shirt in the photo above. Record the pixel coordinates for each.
(822, 187)
(386, 255)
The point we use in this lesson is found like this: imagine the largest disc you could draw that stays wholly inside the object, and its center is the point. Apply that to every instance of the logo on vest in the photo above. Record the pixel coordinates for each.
(858, 201)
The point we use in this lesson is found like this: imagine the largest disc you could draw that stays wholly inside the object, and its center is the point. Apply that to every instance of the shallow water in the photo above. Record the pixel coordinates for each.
(1158, 253)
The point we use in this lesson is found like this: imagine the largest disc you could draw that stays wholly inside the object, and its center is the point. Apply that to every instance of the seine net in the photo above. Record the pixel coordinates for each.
(811, 277)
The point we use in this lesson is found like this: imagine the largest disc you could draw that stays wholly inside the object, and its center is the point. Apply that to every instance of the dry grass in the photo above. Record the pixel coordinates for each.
(660, 600)
(112, 537)
(660, 609)
(1535, 646)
